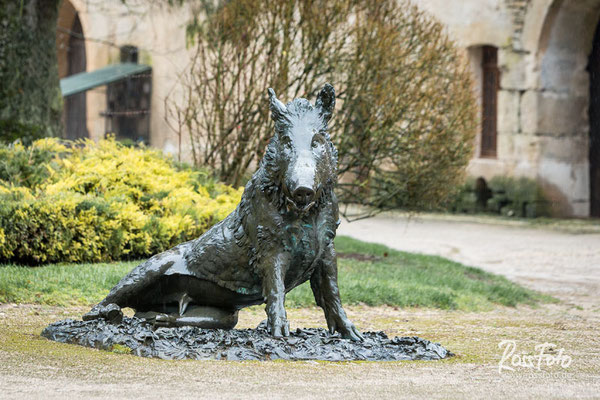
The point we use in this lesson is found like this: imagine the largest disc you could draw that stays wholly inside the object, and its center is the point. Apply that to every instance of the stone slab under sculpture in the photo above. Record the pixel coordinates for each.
(279, 236)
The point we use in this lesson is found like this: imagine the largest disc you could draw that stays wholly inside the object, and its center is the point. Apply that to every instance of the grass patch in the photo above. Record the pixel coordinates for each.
(403, 279)
(373, 275)
(60, 284)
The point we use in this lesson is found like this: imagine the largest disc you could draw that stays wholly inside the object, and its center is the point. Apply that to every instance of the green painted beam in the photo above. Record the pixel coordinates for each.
(88, 80)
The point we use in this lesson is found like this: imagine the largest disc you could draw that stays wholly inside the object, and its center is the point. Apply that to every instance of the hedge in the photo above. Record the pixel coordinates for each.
(90, 202)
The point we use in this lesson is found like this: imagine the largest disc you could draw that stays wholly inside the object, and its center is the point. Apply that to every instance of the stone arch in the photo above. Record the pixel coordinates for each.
(594, 118)
(557, 103)
(71, 54)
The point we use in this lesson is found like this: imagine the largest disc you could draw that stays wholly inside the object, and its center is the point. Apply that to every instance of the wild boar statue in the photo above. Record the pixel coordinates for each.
(279, 236)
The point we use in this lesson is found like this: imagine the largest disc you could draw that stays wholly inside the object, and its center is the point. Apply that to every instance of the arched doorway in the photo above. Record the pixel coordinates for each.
(72, 60)
(594, 114)
(562, 114)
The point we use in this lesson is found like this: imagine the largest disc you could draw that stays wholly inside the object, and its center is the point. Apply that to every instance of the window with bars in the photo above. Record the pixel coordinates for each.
(489, 101)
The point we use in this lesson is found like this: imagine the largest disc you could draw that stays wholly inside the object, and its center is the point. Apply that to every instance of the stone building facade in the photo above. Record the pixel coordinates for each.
(155, 29)
(544, 48)
(534, 64)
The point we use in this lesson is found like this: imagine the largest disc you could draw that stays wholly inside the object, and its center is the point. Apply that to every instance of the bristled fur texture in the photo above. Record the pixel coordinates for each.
(268, 179)
(267, 246)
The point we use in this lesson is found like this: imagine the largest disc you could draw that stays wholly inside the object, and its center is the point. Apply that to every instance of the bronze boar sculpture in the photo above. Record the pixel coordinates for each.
(279, 236)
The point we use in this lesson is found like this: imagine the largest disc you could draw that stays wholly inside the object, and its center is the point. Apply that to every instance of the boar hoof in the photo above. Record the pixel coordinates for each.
(279, 327)
(111, 312)
(163, 321)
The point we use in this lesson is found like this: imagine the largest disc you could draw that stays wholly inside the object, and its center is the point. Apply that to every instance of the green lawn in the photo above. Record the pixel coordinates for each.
(368, 273)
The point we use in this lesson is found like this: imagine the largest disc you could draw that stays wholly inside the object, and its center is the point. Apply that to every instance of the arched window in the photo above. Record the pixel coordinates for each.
(70, 51)
(76, 105)
(489, 100)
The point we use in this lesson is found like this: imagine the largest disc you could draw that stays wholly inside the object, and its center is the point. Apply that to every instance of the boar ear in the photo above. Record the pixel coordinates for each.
(326, 102)
(277, 107)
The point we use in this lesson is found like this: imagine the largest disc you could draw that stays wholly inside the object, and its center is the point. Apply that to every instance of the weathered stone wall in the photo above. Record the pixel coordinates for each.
(543, 48)
(518, 11)
(499, 23)
(559, 103)
(159, 31)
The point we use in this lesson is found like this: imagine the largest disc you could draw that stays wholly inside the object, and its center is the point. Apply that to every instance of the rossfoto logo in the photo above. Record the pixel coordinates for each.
(545, 355)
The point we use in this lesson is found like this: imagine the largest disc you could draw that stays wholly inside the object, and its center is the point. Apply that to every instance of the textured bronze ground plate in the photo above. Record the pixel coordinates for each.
(239, 344)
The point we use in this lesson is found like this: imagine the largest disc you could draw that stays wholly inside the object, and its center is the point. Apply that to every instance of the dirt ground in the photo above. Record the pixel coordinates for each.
(565, 265)
(33, 367)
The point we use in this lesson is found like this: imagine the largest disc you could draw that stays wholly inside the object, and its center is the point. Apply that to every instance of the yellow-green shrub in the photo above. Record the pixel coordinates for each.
(104, 201)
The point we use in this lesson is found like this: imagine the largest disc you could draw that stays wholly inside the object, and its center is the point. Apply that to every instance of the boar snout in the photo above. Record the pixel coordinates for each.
(303, 195)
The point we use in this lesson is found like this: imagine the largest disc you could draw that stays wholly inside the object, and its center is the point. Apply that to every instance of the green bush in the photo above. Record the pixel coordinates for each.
(520, 197)
(405, 116)
(30, 166)
(465, 199)
(12, 130)
(101, 202)
(512, 197)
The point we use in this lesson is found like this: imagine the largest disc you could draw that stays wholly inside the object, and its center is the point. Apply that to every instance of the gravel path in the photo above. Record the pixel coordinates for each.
(566, 265)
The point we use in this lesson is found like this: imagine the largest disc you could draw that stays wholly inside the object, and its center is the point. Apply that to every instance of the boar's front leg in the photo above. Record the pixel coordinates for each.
(273, 271)
(327, 295)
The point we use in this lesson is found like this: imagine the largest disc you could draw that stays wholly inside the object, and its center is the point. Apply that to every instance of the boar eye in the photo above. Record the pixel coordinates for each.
(318, 140)
(286, 141)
